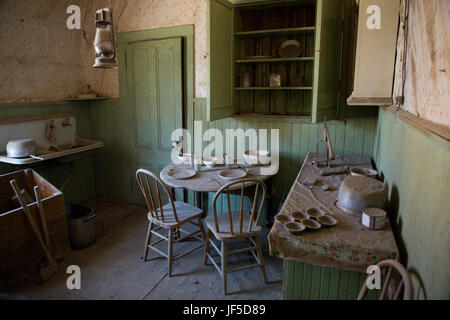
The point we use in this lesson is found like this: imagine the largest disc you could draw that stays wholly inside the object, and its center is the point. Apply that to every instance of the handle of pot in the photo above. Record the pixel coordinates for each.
(90, 216)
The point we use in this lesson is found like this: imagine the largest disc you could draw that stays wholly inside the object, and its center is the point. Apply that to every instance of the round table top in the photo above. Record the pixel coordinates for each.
(208, 179)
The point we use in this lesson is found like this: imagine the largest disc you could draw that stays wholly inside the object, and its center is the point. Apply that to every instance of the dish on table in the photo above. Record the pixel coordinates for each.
(232, 174)
(210, 162)
(283, 219)
(185, 158)
(257, 157)
(299, 216)
(181, 174)
(315, 212)
(327, 221)
(295, 228)
(364, 172)
(311, 224)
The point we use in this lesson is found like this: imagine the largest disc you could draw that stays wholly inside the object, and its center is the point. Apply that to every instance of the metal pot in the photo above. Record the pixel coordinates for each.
(21, 148)
(359, 193)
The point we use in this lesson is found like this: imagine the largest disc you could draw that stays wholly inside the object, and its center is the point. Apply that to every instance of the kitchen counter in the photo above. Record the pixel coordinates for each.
(349, 246)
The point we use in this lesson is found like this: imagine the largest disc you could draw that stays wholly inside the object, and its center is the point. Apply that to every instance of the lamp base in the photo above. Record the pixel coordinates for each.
(105, 62)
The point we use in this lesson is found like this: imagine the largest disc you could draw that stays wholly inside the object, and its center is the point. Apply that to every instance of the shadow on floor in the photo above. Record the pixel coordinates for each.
(113, 268)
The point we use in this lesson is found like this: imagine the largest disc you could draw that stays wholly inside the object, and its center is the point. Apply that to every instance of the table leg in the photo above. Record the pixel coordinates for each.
(269, 202)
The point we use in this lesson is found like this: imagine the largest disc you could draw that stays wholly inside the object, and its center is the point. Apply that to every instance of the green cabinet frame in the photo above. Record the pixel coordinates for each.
(327, 59)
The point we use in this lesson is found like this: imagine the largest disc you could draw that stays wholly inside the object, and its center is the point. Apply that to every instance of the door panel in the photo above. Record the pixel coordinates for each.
(154, 85)
(220, 60)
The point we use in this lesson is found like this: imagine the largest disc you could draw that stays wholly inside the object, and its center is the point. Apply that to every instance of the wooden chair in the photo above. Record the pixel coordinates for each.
(403, 284)
(170, 216)
(238, 225)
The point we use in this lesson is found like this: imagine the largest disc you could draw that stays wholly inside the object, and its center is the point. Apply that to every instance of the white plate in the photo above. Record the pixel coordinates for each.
(232, 174)
(181, 174)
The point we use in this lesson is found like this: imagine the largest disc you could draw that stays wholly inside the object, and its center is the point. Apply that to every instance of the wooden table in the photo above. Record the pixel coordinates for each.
(329, 263)
(208, 180)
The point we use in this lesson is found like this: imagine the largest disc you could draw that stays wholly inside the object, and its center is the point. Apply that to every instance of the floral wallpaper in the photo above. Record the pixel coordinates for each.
(42, 60)
(39, 56)
(134, 15)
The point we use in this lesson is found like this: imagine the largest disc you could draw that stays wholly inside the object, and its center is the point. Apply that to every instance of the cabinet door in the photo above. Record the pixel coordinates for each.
(220, 60)
(327, 60)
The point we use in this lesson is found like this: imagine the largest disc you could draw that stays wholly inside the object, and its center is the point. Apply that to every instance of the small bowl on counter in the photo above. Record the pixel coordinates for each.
(315, 213)
(327, 221)
(282, 219)
(295, 228)
(311, 225)
(364, 172)
(299, 216)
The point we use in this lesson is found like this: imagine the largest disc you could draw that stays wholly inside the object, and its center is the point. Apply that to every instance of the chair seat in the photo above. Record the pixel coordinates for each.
(185, 213)
(224, 226)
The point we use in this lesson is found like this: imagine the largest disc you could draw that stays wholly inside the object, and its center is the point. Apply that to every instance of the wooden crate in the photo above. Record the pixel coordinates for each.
(20, 251)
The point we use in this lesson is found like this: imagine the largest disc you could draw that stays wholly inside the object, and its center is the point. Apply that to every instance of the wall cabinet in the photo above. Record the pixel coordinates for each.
(244, 39)
(375, 52)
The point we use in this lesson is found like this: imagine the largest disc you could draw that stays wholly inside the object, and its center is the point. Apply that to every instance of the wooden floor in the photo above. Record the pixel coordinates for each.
(113, 269)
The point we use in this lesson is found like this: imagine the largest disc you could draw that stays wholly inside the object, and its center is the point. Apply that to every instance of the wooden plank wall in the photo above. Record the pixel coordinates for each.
(309, 282)
(415, 166)
(354, 136)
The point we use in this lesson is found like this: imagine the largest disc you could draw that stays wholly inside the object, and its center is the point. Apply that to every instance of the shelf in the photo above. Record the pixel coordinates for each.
(276, 32)
(273, 88)
(86, 99)
(266, 117)
(273, 60)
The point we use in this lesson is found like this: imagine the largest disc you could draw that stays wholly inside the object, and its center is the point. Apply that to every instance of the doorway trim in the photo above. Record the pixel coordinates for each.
(186, 32)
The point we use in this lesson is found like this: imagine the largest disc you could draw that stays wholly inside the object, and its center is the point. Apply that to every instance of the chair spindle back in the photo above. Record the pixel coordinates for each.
(148, 180)
(256, 212)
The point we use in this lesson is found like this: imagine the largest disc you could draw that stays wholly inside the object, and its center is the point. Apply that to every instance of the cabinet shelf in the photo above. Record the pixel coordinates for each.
(275, 60)
(274, 88)
(276, 32)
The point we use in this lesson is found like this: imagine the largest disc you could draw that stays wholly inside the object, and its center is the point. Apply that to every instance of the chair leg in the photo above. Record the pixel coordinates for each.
(170, 252)
(148, 240)
(223, 258)
(208, 235)
(202, 229)
(248, 246)
(260, 257)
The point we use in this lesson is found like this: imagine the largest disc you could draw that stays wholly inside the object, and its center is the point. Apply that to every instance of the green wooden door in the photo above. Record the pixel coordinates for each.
(155, 94)
(220, 59)
(327, 60)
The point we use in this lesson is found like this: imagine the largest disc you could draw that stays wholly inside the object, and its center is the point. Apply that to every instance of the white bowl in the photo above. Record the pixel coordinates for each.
(185, 158)
(257, 157)
(364, 172)
(21, 148)
(210, 162)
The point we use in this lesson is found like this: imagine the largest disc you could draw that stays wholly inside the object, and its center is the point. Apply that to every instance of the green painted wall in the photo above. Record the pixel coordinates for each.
(416, 165)
(82, 186)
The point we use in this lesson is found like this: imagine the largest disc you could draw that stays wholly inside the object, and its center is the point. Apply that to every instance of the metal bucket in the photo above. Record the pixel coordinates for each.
(81, 225)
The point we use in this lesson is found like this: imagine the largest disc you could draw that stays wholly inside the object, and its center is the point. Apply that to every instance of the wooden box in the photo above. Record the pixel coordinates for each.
(20, 251)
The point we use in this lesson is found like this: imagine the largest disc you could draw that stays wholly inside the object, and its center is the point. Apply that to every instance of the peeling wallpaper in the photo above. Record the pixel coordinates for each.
(41, 60)
(427, 86)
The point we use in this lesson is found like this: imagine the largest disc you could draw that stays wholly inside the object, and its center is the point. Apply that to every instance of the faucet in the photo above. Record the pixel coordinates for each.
(66, 123)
